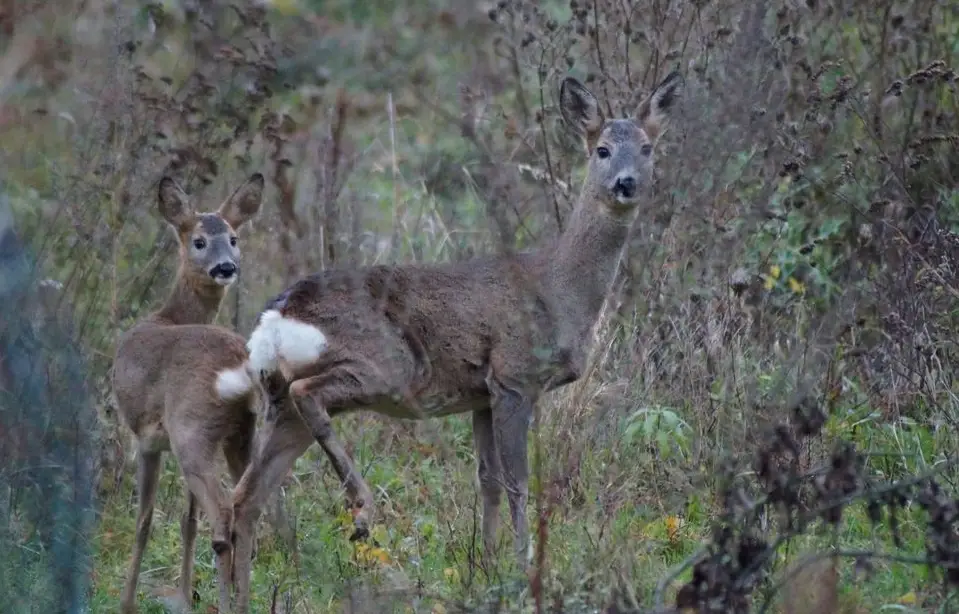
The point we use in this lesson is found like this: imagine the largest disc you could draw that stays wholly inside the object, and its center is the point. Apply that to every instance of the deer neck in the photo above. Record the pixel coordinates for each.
(190, 302)
(585, 260)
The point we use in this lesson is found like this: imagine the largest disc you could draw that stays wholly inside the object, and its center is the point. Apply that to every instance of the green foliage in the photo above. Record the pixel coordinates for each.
(661, 428)
(816, 145)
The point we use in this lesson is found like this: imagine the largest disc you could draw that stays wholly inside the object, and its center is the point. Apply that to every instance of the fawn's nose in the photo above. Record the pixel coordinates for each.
(225, 270)
(625, 187)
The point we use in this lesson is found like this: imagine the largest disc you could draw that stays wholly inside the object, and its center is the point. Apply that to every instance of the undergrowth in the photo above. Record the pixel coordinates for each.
(768, 422)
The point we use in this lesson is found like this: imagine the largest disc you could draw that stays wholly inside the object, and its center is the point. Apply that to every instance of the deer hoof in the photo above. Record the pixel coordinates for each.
(361, 520)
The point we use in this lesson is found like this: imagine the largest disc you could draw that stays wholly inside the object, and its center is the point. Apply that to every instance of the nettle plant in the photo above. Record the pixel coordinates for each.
(661, 429)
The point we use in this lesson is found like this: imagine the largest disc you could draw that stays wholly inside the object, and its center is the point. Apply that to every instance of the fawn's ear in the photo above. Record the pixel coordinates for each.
(581, 110)
(175, 205)
(244, 203)
(652, 115)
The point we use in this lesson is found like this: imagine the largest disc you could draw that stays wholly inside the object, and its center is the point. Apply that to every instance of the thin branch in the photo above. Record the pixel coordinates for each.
(541, 74)
(760, 561)
(599, 57)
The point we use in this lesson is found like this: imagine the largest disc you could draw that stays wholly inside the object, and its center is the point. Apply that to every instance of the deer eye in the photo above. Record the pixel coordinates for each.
(199, 243)
(646, 149)
(602, 152)
(232, 241)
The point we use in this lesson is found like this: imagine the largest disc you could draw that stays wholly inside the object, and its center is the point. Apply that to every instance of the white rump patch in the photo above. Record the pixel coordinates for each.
(234, 384)
(277, 337)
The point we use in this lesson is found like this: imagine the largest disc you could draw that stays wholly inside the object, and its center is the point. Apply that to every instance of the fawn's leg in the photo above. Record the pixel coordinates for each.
(148, 473)
(196, 452)
(238, 450)
(490, 474)
(188, 527)
(238, 447)
(339, 387)
(283, 440)
(512, 414)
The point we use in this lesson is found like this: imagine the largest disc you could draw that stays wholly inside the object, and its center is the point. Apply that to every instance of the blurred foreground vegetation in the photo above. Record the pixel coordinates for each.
(774, 377)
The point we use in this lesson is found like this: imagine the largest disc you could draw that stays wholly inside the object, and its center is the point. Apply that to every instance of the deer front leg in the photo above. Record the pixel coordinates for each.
(490, 475)
(312, 396)
(512, 414)
(148, 473)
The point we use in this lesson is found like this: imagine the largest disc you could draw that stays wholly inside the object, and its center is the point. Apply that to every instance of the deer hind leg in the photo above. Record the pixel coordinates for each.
(238, 446)
(339, 387)
(196, 456)
(148, 474)
(490, 474)
(512, 414)
(283, 440)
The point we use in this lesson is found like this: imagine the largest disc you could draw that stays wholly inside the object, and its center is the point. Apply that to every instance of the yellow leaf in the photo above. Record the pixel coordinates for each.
(438, 608)
(345, 519)
(908, 599)
(769, 282)
(796, 286)
(368, 554)
(452, 576)
(672, 527)
(775, 271)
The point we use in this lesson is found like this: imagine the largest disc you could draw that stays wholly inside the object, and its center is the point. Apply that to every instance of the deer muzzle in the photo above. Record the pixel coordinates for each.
(625, 187)
(224, 272)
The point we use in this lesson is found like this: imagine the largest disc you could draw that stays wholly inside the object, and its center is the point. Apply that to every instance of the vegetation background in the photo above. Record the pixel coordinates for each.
(769, 419)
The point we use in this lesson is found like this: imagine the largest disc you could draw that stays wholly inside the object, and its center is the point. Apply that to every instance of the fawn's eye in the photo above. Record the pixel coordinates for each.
(646, 149)
(602, 152)
(199, 243)
(232, 241)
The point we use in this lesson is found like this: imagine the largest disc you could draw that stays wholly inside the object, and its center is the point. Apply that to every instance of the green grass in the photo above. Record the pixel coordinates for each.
(426, 533)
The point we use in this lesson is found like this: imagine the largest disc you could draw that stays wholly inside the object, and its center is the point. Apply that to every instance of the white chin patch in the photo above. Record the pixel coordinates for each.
(225, 281)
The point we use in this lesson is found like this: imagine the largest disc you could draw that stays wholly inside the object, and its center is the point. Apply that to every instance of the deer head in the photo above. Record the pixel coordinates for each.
(620, 150)
(209, 253)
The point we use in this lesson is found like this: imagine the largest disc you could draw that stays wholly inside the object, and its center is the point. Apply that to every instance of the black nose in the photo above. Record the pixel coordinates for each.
(225, 269)
(625, 187)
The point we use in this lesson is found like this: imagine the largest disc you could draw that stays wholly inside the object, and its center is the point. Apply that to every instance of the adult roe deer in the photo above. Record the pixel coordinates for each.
(486, 336)
(184, 384)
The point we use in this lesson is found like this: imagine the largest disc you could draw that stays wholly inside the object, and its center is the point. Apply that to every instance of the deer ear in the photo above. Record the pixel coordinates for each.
(244, 203)
(175, 204)
(580, 109)
(653, 113)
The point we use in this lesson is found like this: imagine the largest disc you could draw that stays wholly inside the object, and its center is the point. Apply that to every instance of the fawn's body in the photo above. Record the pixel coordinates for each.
(183, 384)
(486, 336)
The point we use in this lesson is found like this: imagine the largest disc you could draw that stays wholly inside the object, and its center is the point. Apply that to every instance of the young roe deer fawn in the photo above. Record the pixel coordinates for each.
(486, 336)
(183, 384)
